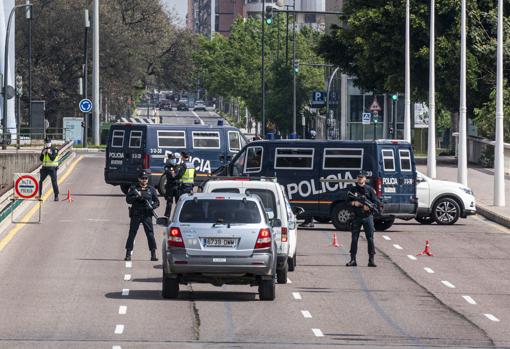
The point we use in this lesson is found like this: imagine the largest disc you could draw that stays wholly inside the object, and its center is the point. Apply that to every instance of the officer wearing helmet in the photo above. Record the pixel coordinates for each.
(172, 182)
(143, 200)
(186, 174)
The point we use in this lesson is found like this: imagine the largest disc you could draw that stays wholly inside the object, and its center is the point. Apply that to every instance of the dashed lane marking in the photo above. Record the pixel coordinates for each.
(125, 291)
(491, 317)
(129, 264)
(410, 256)
(296, 295)
(385, 237)
(398, 247)
(127, 277)
(317, 332)
(469, 300)
(447, 284)
(119, 329)
(116, 347)
(122, 309)
(306, 314)
(428, 270)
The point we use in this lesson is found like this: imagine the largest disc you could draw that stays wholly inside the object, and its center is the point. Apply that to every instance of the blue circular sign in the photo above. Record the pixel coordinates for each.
(85, 105)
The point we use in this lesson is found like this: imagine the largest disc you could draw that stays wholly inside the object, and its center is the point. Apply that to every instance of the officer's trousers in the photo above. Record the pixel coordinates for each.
(45, 172)
(368, 226)
(146, 221)
(170, 196)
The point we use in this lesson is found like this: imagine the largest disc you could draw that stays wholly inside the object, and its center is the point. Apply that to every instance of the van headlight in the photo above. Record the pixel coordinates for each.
(467, 190)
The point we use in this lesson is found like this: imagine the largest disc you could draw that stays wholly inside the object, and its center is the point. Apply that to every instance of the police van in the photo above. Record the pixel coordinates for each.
(316, 175)
(133, 147)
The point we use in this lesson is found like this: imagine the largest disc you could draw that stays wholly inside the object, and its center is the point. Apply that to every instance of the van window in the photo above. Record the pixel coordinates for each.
(388, 159)
(343, 159)
(135, 139)
(206, 140)
(118, 138)
(226, 190)
(234, 141)
(294, 158)
(267, 198)
(253, 163)
(171, 139)
(405, 160)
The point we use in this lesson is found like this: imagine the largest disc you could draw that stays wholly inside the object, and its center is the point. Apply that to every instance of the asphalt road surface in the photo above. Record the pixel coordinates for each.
(65, 285)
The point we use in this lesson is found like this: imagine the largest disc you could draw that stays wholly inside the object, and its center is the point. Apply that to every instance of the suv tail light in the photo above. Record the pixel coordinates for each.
(378, 187)
(146, 160)
(285, 233)
(264, 239)
(175, 238)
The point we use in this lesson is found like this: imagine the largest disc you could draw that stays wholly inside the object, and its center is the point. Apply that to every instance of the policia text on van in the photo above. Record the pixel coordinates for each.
(134, 147)
(299, 166)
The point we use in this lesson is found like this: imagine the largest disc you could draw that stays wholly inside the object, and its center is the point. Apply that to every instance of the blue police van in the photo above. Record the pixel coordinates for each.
(133, 147)
(316, 175)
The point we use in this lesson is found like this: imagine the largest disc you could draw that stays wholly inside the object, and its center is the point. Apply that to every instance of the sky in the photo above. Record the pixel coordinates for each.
(178, 7)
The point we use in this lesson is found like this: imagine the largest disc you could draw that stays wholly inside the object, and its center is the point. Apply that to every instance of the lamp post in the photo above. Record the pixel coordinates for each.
(499, 156)
(294, 100)
(262, 73)
(462, 150)
(431, 151)
(85, 73)
(327, 94)
(29, 18)
(95, 73)
(407, 112)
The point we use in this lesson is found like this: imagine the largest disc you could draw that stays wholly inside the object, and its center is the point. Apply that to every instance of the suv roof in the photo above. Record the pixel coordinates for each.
(242, 183)
(219, 196)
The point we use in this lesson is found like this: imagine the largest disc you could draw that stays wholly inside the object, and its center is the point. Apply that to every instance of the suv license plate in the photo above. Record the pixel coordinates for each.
(219, 260)
(219, 242)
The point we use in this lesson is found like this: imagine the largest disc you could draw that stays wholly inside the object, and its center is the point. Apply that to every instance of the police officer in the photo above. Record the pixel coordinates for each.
(49, 158)
(363, 216)
(144, 200)
(172, 183)
(186, 175)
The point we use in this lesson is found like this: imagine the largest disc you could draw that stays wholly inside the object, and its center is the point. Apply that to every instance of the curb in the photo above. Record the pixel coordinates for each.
(484, 210)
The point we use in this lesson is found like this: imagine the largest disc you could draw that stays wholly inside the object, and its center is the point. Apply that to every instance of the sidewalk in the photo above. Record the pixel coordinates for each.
(481, 181)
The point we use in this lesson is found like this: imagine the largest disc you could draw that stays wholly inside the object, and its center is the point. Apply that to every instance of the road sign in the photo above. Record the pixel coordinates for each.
(365, 118)
(375, 106)
(26, 186)
(318, 99)
(86, 105)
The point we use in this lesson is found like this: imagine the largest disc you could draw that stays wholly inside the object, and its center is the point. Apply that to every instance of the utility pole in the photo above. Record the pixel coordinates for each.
(262, 76)
(294, 110)
(462, 147)
(431, 149)
(29, 18)
(407, 112)
(85, 74)
(95, 73)
(499, 155)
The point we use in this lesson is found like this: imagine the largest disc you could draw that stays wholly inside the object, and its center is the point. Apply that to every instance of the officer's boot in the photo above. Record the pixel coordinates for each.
(352, 262)
(371, 262)
(128, 255)
(153, 255)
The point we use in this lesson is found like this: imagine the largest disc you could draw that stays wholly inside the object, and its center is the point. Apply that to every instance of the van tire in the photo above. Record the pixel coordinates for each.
(446, 211)
(162, 186)
(170, 287)
(125, 188)
(281, 275)
(341, 216)
(323, 220)
(291, 262)
(267, 290)
(383, 224)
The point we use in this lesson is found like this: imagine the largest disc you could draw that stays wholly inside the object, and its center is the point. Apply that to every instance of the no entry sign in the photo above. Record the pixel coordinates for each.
(26, 186)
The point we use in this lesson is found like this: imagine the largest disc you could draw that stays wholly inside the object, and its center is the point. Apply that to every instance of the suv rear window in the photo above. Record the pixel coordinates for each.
(118, 138)
(294, 158)
(226, 190)
(216, 211)
(267, 198)
(171, 139)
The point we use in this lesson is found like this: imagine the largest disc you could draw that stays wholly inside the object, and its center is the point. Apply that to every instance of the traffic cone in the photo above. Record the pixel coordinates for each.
(69, 198)
(426, 251)
(334, 243)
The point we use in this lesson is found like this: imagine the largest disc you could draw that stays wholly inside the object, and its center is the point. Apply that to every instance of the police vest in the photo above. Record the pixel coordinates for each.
(47, 162)
(189, 174)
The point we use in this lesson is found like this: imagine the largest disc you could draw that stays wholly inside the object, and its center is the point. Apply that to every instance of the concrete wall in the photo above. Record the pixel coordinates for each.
(10, 163)
(477, 148)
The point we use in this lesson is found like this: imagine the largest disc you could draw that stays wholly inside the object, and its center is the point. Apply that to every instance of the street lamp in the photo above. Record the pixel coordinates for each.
(499, 156)
(29, 18)
(407, 103)
(85, 74)
(431, 151)
(462, 150)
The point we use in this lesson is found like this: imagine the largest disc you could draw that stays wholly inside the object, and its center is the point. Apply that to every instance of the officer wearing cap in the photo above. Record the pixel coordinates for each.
(186, 175)
(49, 158)
(172, 183)
(143, 200)
(363, 216)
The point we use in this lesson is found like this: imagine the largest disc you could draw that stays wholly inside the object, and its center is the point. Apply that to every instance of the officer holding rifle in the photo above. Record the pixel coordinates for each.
(365, 204)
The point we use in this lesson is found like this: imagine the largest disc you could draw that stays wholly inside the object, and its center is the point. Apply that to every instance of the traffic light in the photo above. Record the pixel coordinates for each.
(269, 15)
(296, 66)
(394, 96)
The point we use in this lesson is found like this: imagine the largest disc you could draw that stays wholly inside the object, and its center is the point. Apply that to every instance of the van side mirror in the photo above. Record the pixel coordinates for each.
(298, 210)
(276, 223)
(163, 221)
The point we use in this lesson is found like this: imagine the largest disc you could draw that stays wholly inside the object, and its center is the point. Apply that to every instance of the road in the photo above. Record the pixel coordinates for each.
(65, 285)
(190, 117)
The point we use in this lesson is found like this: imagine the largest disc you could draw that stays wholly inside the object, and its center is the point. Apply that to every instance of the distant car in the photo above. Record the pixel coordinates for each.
(442, 202)
(182, 105)
(199, 105)
(219, 238)
(165, 104)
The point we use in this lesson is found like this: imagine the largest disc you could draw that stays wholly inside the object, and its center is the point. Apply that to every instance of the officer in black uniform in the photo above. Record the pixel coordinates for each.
(172, 183)
(144, 201)
(363, 216)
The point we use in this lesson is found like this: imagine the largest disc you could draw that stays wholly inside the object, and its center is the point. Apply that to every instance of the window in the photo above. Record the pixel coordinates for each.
(226, 211)
(238, 165)
(343, 159)
(171, 139)
(234, 141)
(267, 197)
(294, 158)
(388, 159)
(226, 190)
(206, 140)
(135, 139)
(118, 138)
(253, 163)
(405, 160)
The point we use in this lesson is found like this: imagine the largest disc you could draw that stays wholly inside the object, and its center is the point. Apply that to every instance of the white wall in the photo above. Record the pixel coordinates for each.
(5, 9)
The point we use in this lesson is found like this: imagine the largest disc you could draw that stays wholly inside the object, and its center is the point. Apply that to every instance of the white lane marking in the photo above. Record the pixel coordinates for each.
(65, 220)
(410, 256)
(491, 317)
(306, 314)
(201, 121)
(123, 309)
(428, 270)
(447, 284)
(386, 237)
(317, 332)
(296, 295)
(398, 247)
(129, 264)
(469, 300)
(116, 347)
(98, 220)
(125, 291)
(119, 329)
(127, 277)
(289, 281)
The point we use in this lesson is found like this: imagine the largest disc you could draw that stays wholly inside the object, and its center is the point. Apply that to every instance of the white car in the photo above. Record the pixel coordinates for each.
(442, 202)
(273, 197)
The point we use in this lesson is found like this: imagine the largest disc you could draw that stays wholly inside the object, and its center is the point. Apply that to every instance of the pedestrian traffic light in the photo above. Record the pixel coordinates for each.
(394, 96)
(269, 15)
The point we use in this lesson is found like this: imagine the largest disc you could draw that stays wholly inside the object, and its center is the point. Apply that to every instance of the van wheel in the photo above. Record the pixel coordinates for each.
(425, 220)
(446, 211)
(170, 287)
(267, 290)
(341, 216)
(162, 185)
(291, 262)
(322, 220)
(125, 188)
(383, 224)
(281, 275)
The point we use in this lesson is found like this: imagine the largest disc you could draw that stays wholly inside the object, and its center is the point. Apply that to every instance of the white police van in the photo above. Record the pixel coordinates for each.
(302, 165)
(133, 147)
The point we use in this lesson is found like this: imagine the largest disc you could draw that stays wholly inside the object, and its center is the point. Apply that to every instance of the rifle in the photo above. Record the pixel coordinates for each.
(147, 203)
(362, 199)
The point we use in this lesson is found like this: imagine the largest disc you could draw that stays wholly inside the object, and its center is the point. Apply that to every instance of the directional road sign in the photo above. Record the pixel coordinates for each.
(26, 186)
(86, 105)
(365, 120)
(375, 106)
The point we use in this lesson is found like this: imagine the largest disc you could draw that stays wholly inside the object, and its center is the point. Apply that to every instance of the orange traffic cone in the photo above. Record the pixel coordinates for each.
(69, 198)
(426, 251)
(334, 243)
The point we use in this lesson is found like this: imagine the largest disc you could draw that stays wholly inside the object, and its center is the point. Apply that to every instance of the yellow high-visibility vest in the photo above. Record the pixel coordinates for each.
(47, 162)
(189, 174)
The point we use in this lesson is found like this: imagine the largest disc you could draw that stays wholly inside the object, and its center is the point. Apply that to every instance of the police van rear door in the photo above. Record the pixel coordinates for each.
(115, 156)
(135, 150)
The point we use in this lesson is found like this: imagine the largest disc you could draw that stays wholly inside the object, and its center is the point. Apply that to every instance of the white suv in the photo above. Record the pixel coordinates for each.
(442, 202)
(273, 197)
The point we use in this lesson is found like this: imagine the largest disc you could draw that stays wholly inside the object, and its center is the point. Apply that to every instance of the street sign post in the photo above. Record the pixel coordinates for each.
(85, 105)
(366, 118)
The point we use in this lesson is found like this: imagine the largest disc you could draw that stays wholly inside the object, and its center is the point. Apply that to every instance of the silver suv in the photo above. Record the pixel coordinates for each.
(219, 239)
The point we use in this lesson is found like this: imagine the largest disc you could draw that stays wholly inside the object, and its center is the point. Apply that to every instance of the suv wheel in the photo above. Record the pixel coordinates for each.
(125, 188)
(170, 287)
(383, 224)
(267, 290)
(425, 220)
(281, 275)
(446, 211)
(322, 220)
(292, 262)
(341, 216)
